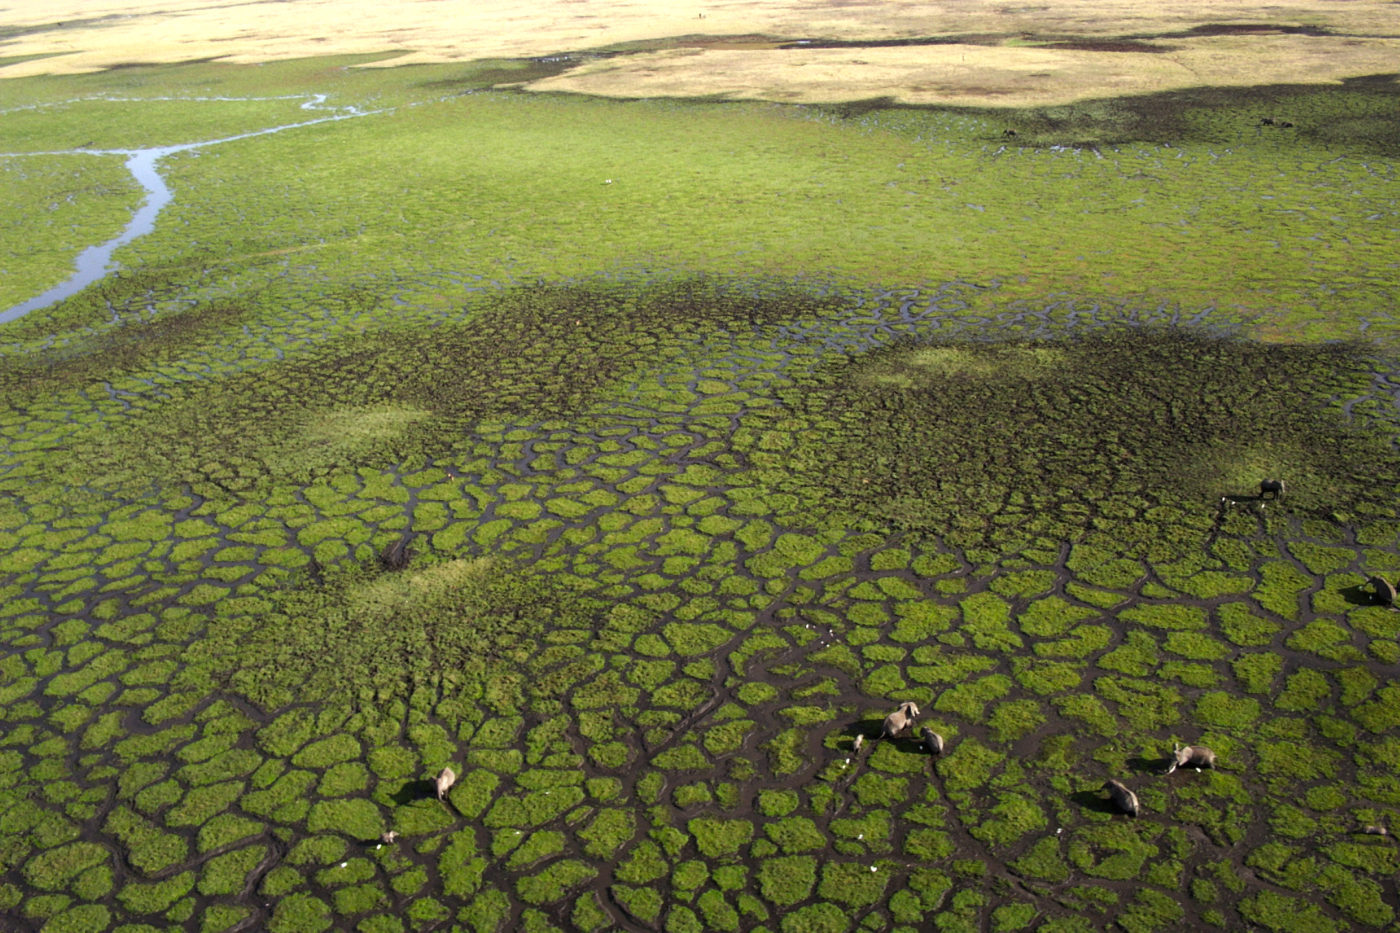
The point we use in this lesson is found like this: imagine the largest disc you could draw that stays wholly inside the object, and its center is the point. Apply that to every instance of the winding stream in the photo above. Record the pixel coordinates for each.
(95, 262)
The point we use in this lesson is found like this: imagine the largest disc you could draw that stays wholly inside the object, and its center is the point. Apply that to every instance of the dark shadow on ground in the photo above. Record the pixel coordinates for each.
(1094, 800)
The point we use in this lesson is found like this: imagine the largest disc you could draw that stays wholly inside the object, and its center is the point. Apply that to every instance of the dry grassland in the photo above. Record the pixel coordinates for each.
(1001, 59)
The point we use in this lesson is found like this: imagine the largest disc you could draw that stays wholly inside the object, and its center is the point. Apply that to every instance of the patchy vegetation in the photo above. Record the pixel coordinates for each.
(670, 525)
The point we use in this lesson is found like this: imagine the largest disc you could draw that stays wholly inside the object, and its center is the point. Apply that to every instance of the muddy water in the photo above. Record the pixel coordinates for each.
(95, 262)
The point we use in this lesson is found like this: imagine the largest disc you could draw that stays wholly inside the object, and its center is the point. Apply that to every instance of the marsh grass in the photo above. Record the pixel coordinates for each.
(651, 601)
(1122, 424)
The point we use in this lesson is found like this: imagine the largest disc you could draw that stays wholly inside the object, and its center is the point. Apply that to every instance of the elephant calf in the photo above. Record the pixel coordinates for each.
(1195, 756)
(932, 741)
(899, 720)
(1124, 799)
(1274, 486)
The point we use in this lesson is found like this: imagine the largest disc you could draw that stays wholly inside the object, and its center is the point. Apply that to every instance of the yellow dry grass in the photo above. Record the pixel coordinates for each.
(977, 75)
(996, 68)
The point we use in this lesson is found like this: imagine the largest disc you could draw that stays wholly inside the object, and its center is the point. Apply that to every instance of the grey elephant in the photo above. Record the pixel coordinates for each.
(396, 554)
(1384, 590)
(1124, 799)
(1192, 756)
(899, 720)
(1275, 486)
(932, 741)
(445, 779)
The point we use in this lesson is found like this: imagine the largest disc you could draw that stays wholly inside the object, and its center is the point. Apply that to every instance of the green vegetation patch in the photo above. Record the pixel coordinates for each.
(1123, 420)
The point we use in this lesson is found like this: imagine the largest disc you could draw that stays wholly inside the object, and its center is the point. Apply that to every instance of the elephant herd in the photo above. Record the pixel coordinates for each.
(1195, 756)
(1183, 756)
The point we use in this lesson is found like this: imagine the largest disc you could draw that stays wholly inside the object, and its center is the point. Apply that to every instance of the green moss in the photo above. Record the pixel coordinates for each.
(156, 896)
(1220, 709)
(150, 849)
(1043, 861)
(1113, 851)
(716, 837)
(55, 868)
(225, 829)
(299, 912)
(553, 882)
(227, 873)
(642, 903)
(1274, 911)
(1012, 719)
(787, 880)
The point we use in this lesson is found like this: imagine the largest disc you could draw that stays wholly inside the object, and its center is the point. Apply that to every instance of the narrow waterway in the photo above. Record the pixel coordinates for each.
(95, 263)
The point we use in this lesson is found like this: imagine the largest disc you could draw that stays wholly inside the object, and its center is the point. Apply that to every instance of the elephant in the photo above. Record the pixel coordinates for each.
(1275, 486)
(932, 741)
(445, 779)
(1122, 798)
(396, 554)
(1384, 590)
(899, 720)
(1195, 756)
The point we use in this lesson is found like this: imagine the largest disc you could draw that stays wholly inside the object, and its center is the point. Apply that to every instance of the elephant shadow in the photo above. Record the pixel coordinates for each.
(413, 791)
(1149, 765)
(1360, 595)
(1094, 800)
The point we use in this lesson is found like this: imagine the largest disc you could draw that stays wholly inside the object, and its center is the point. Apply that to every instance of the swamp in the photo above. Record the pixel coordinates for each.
(634, 456)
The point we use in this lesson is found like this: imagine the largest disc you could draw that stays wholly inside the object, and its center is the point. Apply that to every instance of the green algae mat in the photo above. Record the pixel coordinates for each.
(634, 459)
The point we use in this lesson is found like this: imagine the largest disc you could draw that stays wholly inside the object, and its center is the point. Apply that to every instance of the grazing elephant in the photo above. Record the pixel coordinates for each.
(1274, 486)
(932, 741)
(445, 779)
(1122, 798)
(395, 555)
(1195, 756)
(1384, 590)
(899, 720)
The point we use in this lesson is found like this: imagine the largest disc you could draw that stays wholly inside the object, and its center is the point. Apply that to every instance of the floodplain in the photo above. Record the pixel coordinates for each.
(634, 457)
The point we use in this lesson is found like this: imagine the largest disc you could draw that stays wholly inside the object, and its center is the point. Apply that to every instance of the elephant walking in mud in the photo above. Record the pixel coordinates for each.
(899, 720)
(1124, 799)
(1275, 486)
(1193, 756)
(932, 741)
(396, 554)
(1384, 590)
(445, 779)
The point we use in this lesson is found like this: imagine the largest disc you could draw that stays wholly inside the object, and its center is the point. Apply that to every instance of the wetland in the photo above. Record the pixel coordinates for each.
(633, 458)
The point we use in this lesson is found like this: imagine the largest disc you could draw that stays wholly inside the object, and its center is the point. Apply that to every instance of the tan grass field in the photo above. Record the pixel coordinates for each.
(1001, 60)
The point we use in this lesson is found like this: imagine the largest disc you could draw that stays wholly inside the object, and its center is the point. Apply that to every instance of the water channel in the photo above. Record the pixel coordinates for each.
(95, 262)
